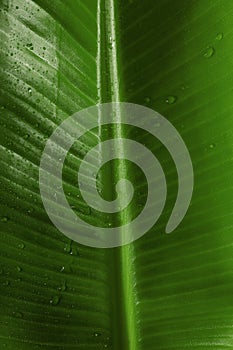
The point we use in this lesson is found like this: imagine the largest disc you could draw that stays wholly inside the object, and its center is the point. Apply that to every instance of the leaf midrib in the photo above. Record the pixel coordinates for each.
(123, 297)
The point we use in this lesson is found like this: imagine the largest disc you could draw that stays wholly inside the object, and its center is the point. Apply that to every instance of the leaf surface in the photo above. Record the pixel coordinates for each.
(164, 291)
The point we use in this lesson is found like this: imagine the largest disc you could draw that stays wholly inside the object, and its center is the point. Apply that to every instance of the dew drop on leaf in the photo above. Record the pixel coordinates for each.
(184, 87)
(19, 269)
(219, 36)
(55, 300)
(67, 248)
(63, 287)
(4, 219)
(97, 334)
(171, 99)
(209, 52)
(74, 251)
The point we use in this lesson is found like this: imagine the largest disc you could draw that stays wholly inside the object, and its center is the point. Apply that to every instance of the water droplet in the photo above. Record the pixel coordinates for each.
(55, 300)
(63, 287)
(212, 145)
(26, 136)
(30, 90)
(219, 36)
(147, 99)
(184, 87)
(74, 250)
(19, 269)
(111, 43)
(209, 52)
(97, 334)
(67, 248)
(171, 99)
(4, 219)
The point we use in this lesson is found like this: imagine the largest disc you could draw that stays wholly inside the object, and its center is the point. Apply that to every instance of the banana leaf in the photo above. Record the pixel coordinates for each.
(163, 291)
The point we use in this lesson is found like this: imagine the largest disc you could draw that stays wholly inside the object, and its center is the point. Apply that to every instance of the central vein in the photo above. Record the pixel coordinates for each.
(125, 334)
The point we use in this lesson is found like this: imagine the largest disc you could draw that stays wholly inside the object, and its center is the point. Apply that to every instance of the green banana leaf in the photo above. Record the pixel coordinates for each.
(163, 291)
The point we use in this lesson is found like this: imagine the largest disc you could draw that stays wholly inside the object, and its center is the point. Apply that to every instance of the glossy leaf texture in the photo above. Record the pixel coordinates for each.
(164, 291)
